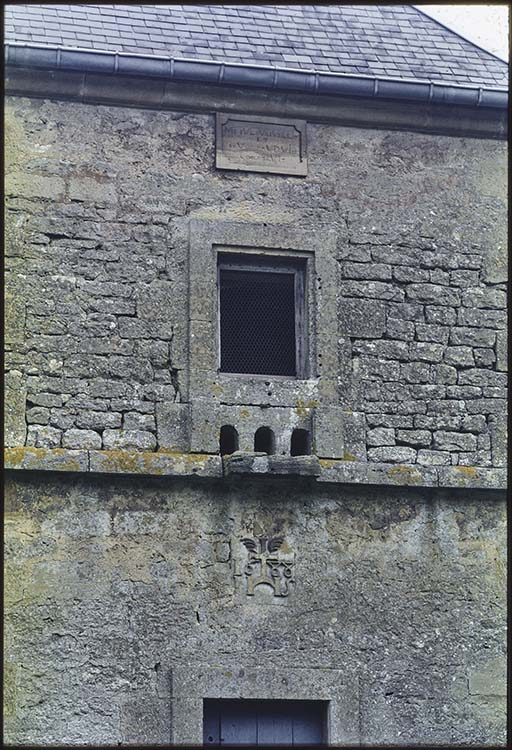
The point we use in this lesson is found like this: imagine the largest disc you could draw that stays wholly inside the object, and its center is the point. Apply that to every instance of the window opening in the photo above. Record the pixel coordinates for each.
(261, 310)
(228, 440)
(300, 443)
(264, 440)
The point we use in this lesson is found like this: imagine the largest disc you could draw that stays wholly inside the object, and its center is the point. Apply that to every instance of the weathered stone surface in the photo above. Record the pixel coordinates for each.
(172, 421)
(426, 352)
(453, 441)
(159, 464)
(98, 420)
(362, 318)
(38, 415)
(414, 437)
(255, 464)
(81, 439)
(14, 318)
(116, 279)
(162, 566)
(434, 458)
(133, 585)
(130, 439)
(380, 436)
(485, 357)
(15, 426)
(44, 437)
(328, 425)
(502, 351)
(44, 459)
(459, 356)
(395, 454)
(133, 420)
(354, 436)
(472, 337)
(433, 294)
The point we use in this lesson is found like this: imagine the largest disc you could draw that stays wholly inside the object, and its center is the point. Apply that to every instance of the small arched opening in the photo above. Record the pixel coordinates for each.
(300, 443)
(228, 440)
(264, 440)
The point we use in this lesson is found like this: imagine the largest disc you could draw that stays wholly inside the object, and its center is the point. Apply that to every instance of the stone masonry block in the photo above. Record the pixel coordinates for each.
(434, 294)
(414, 437)
(362, 318)
(328, 431)
(459, 356)
(354, 436)
(485, 357)
(472, 337)
(454, 441)
(498, 430)
(434, 458)
(44, 437)
(81, 439)
(14, 318)
(172, 426)
(15, 426)
(392, 454)
(157, 301)
(381, 436)
(502, 351)
(130, 439)
(204, 430)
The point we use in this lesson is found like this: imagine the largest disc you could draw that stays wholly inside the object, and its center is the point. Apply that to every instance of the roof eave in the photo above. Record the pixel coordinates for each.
(253, 76)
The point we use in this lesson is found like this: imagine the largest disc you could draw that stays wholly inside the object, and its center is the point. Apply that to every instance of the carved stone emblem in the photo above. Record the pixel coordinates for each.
(261, 144)
(267, 565)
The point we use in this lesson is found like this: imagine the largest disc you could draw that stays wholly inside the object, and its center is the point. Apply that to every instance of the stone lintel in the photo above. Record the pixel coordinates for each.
(325, 470)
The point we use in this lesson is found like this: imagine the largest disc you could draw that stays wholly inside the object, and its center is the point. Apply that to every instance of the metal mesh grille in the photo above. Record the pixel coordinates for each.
(257, 322)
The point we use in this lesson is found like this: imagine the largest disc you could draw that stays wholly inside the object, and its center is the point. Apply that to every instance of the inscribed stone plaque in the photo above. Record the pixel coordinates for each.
(261, 144)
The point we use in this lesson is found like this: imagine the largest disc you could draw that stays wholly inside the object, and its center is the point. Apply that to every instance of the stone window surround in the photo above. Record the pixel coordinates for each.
(210, 390)
(192, 684)
(207, 238)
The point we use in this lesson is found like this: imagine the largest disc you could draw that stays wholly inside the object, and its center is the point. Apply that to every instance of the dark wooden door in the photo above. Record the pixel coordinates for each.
(256, 723)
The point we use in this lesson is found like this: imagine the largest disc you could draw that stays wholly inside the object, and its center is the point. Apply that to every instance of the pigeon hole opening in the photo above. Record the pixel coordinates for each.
(228, 440)
(264, 441)
(300, 443)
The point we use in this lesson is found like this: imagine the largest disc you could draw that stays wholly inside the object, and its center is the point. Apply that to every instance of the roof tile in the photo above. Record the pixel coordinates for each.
(383, 40)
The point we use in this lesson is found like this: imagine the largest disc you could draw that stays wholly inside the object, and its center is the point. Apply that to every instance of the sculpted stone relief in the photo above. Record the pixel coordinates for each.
(267, 564)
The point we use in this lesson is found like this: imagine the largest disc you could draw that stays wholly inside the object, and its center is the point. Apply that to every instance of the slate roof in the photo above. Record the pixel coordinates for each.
(396, 41)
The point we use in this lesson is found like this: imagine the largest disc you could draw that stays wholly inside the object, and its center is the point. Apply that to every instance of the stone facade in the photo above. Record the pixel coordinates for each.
(133, 608)
(410, 240)
(134, 603)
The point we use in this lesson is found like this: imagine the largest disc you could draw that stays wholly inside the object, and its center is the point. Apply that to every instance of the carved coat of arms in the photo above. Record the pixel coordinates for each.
(265, 564)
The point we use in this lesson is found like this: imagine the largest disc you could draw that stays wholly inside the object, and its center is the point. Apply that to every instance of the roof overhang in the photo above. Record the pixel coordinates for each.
(158, 82)
(237, 74)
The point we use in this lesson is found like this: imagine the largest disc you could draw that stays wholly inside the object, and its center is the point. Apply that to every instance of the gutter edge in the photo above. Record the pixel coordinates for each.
(253, 76)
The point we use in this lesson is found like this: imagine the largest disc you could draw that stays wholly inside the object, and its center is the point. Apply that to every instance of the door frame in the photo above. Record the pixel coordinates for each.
(192, 684)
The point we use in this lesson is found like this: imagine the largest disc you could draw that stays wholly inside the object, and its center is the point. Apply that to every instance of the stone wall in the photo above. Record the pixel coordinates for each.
(99, 201)
(127, 606)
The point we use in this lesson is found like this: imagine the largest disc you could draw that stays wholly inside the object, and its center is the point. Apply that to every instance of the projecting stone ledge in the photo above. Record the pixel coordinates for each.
(261, 463)
(205, 465)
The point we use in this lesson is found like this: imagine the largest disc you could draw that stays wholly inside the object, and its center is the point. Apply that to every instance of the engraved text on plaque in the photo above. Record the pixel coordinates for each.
(261, 144)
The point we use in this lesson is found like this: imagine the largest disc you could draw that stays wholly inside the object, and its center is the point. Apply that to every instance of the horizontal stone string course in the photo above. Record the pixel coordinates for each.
(205, 465)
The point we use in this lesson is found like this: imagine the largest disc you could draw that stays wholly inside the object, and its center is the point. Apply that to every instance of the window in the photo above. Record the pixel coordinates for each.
(258, 723)
(261, 310)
